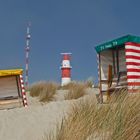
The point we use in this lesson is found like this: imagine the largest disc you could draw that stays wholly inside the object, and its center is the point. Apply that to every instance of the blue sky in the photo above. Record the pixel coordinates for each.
(75, 26)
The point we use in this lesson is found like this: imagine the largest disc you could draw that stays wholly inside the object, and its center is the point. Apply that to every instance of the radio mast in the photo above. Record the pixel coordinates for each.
(28, 37)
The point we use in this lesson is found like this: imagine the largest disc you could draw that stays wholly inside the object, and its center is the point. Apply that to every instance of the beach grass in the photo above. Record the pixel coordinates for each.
(45, 91)
(117, 120)
(75, 90)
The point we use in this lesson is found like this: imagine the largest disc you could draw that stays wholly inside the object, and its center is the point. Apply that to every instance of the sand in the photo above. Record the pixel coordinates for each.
(38, 119)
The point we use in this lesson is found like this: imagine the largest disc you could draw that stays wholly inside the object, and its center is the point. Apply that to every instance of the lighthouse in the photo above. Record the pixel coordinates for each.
(65, 69)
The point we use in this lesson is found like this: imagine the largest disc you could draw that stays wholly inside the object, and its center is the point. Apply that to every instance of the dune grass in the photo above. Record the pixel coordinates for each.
(117, 120)
(75, 90)
(43, 90)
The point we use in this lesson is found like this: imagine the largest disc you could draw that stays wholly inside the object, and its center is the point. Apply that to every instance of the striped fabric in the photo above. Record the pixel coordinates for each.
(132, 51)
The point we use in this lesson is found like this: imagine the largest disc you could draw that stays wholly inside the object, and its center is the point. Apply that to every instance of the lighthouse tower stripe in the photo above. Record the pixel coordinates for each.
(66, 69)
(133, 65)
(23, 91)
(66, 57)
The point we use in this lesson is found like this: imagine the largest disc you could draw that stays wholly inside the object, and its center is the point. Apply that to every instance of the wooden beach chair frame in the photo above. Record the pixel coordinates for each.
(119, 84)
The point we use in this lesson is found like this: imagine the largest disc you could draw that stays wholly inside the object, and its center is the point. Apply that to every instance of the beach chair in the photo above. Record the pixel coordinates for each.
(116, 82)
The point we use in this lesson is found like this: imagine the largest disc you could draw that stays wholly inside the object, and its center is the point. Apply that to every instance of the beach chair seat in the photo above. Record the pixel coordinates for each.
(113, 83)
(119, 82)
(11, 102)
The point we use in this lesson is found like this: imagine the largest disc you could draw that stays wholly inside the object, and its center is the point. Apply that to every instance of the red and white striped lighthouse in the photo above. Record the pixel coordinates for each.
(65, 69)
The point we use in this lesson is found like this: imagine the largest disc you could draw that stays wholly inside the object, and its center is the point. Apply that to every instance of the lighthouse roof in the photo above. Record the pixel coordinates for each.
(117, 42)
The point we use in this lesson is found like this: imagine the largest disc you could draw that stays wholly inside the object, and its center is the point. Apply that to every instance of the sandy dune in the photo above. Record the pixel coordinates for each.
(31, 123)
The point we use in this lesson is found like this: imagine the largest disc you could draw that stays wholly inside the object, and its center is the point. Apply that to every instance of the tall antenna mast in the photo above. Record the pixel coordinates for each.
(28, 37)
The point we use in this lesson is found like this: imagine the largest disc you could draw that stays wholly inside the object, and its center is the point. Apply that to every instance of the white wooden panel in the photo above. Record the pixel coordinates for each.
(104, 87)
(122, 60)
(105, 59)
(8, 86)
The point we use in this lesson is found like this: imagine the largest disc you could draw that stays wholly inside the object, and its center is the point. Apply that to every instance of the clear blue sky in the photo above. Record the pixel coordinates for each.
(75, 26)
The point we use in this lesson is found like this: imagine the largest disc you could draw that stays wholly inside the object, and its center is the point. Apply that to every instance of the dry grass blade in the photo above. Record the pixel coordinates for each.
(43, 90)
(118, 120)
(36, 88)
(76, 90)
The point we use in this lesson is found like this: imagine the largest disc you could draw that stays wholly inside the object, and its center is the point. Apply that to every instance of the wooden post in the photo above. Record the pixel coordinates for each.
(114, 63)
(109, 81)
(100, 85)
(117, 57)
